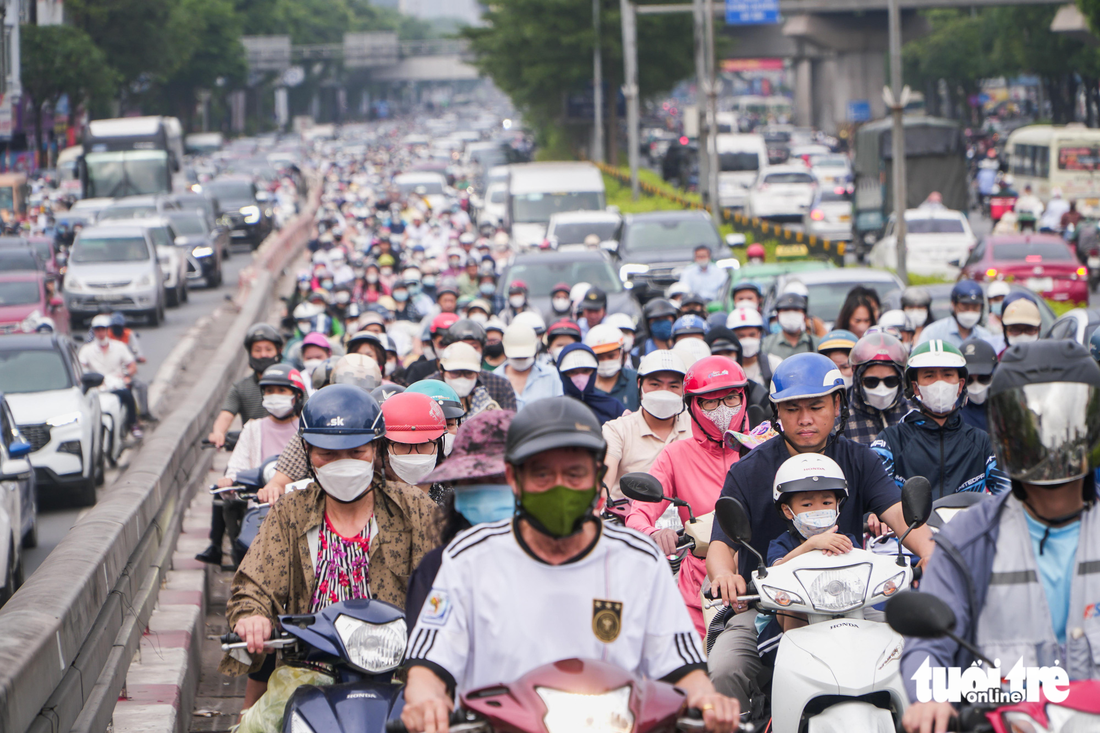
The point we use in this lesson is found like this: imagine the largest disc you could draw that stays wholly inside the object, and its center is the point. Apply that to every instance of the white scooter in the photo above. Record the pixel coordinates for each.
(840, 673)
(114, 425)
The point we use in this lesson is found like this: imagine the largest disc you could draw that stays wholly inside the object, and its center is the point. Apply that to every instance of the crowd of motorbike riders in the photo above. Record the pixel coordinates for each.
(458, 454)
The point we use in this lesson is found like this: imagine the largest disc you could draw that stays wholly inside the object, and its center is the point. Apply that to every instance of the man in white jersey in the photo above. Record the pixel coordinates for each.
(552, 583)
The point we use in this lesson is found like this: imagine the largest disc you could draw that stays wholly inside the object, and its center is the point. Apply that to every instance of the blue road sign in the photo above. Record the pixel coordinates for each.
(752, 12)
(859, 110)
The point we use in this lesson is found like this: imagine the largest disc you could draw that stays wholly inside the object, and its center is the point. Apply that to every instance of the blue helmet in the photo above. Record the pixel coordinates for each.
(805, 375)
(967, 291)
(1094, 344)
(117, 319)
(341, 416)
(689, 324)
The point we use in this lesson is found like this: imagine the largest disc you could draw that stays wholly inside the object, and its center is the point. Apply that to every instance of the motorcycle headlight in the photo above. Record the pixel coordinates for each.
(836, 590)
(373, 648)
(202, 251)
(251, 214)
(780, 596)
(1068, 720)
(571, 712)
(891, 586)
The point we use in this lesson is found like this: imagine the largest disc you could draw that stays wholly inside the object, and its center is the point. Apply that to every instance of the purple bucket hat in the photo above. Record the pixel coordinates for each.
(479, 448)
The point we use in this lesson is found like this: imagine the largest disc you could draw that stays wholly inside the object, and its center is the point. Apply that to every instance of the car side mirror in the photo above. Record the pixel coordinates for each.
(16, 469)
(610, 245)
(735, 240)
(90, 380)
(642, 487)
(955, 263)
(19, 448)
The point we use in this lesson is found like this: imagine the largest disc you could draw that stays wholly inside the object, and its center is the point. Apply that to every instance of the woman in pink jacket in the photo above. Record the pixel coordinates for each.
(694, 470)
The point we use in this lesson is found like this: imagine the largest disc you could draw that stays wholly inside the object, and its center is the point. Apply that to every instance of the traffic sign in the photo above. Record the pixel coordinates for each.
(859, 110)
(267, 53)
(378, 48)
(752, 12)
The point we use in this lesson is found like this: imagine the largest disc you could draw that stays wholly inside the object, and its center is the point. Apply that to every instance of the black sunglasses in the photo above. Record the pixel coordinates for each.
(981, 378)
(873, 382)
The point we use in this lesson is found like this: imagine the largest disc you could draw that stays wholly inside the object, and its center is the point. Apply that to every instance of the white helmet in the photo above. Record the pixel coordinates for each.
(576, 293)
(532, 319)
(677, 288)
(101, 321)
(305, 311)
(744, 317)
(895, 319)
(621, 321)
(662, 360)
(997, 289)
(691, 350)
(602, 338)
(797, 286)
(808, 472)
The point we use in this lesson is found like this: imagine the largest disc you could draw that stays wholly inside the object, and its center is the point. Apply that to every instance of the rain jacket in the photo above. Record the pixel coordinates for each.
(602, 405)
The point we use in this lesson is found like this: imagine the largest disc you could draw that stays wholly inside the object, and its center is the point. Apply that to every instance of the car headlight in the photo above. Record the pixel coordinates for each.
(572, 712)
(67, 419)
(72, 285)
(145, 281)
(373, 648)
(251, 214)
(1063, 720)
(203, 251)
(298, 724)
(629, 269)
(891, 586)
(836, 590)
(782, 597)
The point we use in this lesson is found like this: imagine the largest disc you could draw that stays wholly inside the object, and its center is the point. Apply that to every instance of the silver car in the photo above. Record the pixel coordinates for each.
(114, 266)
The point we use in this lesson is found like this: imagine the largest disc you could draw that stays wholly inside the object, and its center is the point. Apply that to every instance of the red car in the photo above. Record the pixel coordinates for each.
(25, 301)
(1043, 263)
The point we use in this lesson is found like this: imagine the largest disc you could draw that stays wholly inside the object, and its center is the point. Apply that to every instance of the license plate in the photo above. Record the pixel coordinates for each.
(1094, 262)
(104, 298)
(1040, 284)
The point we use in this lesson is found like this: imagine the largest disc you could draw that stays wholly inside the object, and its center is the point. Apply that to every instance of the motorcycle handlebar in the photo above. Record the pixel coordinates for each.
(459, 722)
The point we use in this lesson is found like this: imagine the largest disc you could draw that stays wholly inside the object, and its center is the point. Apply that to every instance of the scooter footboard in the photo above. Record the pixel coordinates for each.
(850, 717)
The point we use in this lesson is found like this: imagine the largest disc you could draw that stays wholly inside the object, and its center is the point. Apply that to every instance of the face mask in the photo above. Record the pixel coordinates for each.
(326, 284)
(453, 263)
(481, 503)
(1024, 338)
(521, 365)
(580, 381)
(343, 297)
(304, 287)
(486, 288)
(916, 316)
(555, 353)
(260, 365)
(628, 342)
(968, 319)
(278, 405)
(429, 281)
(448, 443)
(345, 480)
(847, 381)
(517, 301)
(386, 271)
(412, 468)
(560, 510)
(429, 352)
(117, 330)
(746, 303)
(479, 318)
(462, 386)
(609, 368)
(400, 295)
(661, 330)
(312, 364)
(720, 416)
(391, 367)
(561, 305)
(792, 321)
(810, 524)
(102, 341)
(662, 404)
(939, 397)
(977, 392)
(494, 350)
(372, 277)
(881, 397)
(750, 347)
(997, 308)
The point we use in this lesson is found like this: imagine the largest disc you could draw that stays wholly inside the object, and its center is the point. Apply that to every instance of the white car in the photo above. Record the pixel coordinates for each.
(831, 169)
(781, 192)
(934, 239)
(114, 266)
(569, 229)
(173, 259)
(18, 504)
(56, 408)
(430, 186)
(830, 214)
(494, 205)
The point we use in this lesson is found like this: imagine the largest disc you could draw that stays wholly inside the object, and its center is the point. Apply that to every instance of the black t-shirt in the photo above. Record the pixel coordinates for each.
(750, 481)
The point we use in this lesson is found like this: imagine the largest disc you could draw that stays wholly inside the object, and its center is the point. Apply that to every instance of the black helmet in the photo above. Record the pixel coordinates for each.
(466, 330)
(366, 337)
(383, 393)
(263, 332)
(693, 299)
(981, 358)
(791, 301)
(659, 308)
(553, 422)
(723, 339)
(915, 297)
(341, 416)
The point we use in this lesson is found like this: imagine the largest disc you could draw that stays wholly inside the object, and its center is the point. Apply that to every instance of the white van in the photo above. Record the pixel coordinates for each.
(741, 156)
(536, 191)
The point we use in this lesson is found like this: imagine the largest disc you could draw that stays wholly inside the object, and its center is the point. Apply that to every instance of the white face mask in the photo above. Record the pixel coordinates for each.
(746, 303)
(847, 381)
(346, 479)
(939, 397)
(279, 405)
(103, 341)
(1024, 338)
(521, 365)
(916, 316)
(750, 347)
(628, 342)
(881, 397)
(312, 364)
(517, 301)
(662, 404)
(977, 392)
(608, 368)
(561, 305)
(968, 319)
(555, 353)
(412, 468)
(448, 443)
(462, 386)
(479, 317)
(391, 367)
(792, 321)
(814, 523)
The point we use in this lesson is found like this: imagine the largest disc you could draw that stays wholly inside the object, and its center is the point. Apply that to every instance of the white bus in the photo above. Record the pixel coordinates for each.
(1068, 158)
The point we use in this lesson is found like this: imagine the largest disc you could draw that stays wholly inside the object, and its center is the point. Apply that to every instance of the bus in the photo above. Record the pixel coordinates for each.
(1065, 157)
(131, 156)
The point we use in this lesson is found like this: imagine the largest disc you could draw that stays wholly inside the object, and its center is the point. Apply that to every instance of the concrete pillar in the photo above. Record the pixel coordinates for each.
(824, 104)
(803, 92)
(860, 75)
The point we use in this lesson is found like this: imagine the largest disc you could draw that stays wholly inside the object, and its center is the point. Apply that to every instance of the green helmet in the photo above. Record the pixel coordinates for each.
(442, 393)
(935, 353)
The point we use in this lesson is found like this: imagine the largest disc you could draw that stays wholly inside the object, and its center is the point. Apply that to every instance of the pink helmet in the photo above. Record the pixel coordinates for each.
(316, 339)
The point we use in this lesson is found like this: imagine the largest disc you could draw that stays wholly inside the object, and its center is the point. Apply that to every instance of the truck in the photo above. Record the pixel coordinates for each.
(131, 156)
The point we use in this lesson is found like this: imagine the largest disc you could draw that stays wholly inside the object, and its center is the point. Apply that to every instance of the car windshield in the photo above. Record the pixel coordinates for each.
(110, 249)
(835, 194)
(19, 292)
(1031, 252)
(430, 188)
(828, 161)
(537, 208)
(230, 191)
(43, 248)
(32, 371)
(934, 226)
(188, 224)
(543, 275)
(826, 298)
(128, 212)
(575, 232)
(672, 234)
(498, 196)
(126, 173)
(734, 162)
(18, 259)
(791, 177)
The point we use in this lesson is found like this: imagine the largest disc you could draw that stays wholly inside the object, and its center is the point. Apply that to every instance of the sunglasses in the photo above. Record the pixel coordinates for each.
(981, 378)
(873, 382)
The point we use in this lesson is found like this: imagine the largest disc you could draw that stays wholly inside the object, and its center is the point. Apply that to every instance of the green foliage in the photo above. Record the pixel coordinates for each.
(62, 60)
(135, 35)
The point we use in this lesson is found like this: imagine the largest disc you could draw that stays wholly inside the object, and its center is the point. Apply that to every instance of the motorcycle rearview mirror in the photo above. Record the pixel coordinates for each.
(925, 616)
(734, 521)
(642, 487)
(916, 507)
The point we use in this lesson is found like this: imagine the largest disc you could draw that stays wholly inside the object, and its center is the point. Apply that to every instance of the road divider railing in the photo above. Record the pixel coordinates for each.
(68, 635)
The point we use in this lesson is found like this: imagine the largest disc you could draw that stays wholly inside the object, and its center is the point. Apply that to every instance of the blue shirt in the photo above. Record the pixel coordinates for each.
(1055, 567)
(542, 381)
(947, 329)
(704, 283)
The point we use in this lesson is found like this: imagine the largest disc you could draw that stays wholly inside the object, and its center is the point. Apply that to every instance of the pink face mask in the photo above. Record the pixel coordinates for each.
(580, 381)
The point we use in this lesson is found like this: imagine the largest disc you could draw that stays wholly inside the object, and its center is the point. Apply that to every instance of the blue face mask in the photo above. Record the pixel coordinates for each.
(661, 330)
(481, 503)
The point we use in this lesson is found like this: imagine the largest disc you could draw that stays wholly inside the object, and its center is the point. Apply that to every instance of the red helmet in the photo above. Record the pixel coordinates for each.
(880, 347)
(442, 322)
(564, 327)
(713, 374)
(412, 417)
(755, 250)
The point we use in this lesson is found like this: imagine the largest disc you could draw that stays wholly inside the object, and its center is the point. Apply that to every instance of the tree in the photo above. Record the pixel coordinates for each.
(134, 35)
(955, 52)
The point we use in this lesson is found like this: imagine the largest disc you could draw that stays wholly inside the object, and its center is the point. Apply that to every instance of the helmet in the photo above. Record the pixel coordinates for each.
(564, 327)
(997, 289)
(466, 330)
(305, 311)
(895, 319)
(314, 338)
(981, 358)
(689, 324)
(118, 319)
(935, 353)
(755, 251)
(603, 338)
(791, 301)
(366, 337)
(967, 291)
(621, 321)
(661, 360)
(412, 417)
(1043, 419)
(694, 299)
(322, 373)
(532, 319)
(746, 285)
(442, 393)
(442, 322)
(383, 393)
(677, 288)
(797, 287)
(1094, 344)
(808, 472)
(341, 416)
(284, 375)
(1021, 312)
(357, 369)
(744, 318)
(553, 422)
(915, 297)
(257, 332)
(878, 348)
(691, 350)
(713, 374)
(838, 340)
(721, 338)
(101, 321)
(805, 375)
(659, 308)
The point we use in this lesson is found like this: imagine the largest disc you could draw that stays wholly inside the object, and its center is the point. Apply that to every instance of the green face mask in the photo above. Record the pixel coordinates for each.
(559, 510)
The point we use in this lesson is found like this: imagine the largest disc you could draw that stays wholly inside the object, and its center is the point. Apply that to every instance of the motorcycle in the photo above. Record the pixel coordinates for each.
(243, 517)
(863, 691)
(693, 537)
(361, 642)
(943, 510)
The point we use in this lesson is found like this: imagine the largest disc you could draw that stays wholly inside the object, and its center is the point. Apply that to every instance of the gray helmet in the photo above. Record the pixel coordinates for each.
(915, 297)
(263, 332)
(465, 329)
(553, 422)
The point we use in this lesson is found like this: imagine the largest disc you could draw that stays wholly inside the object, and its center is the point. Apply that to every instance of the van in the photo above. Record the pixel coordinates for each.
(741, 156)
(536, 191)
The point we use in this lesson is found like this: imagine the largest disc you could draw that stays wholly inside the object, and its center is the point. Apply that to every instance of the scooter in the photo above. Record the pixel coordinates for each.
(693, 537)
(361, 642)
(841, 672)
(243, 516)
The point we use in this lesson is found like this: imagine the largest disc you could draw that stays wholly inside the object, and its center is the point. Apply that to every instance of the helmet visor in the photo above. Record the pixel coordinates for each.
(1046, 433)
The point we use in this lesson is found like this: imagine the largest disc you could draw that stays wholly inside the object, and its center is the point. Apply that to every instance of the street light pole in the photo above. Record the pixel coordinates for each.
(701, 103)
(896, 100)
(597, 87)
(712, 114)
(630, 90)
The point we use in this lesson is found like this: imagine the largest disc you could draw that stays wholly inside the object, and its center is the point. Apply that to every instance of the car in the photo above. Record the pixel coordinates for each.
(176, 260)
(830, 214)
(192, 236)
(570, 228)
(829, 287)
(781, 192)
(936, 241)
(26, 300)
(137, 207)
(212, 213)
(45, 248)
(941, 303)
(114, 266)
(18, 503)
(542, 270)
(1044, 263)
(764, 275)
(831, 169)
(1077, 324)
(432, 186)
(494, 205)
(21, 257)
(654, 248)
(806, 151)
(56, 407)
(248, 213)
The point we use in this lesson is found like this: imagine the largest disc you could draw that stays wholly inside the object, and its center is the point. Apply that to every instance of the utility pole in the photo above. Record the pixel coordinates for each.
(630, 90)
(701, 99)
(712, 114)
(896, 100)
(597, 87)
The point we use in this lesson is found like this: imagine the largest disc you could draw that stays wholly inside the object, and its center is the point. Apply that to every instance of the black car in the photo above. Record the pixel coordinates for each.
(193, 235)
(247, 209)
